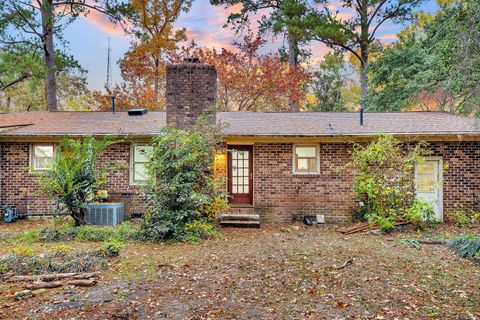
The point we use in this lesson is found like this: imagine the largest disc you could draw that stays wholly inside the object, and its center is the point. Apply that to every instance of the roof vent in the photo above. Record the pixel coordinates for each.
(192, 60)
(137, 112)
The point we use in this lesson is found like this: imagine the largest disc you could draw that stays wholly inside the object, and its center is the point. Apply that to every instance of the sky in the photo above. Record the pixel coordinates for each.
(88, 37)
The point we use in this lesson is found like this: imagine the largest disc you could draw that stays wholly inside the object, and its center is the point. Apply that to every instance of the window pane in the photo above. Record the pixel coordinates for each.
(426, 177)
(234, 189)
(302, 164)
(42, 156)
(44, 151)
(42, 163)
(139, 172)
(245, 189)
(306, 152)
(142, 153)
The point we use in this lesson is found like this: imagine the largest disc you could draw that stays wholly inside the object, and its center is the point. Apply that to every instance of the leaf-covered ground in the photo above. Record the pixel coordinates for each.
(284, 272)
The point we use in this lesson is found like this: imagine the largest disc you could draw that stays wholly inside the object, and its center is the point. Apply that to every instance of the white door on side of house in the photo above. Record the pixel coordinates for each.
(428, 184)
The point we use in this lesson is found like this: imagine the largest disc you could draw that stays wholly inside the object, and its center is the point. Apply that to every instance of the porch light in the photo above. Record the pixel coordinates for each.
(330, 128)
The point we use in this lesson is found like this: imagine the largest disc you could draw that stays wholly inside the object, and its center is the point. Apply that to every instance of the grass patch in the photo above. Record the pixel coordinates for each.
(88, 233)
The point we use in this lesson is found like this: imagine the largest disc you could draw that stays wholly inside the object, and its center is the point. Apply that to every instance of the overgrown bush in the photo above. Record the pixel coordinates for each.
(466, 246)
(111, 247)
(81, 261)
(181, 190)
(75, 175)
(384, 182)
(465, 217)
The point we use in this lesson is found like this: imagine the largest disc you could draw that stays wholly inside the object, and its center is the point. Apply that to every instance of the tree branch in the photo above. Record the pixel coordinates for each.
(11, 83)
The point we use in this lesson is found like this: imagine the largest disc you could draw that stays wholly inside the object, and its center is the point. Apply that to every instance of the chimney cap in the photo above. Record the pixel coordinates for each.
(191, 60)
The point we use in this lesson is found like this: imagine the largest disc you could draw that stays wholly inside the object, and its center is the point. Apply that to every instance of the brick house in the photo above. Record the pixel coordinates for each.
(279, 165)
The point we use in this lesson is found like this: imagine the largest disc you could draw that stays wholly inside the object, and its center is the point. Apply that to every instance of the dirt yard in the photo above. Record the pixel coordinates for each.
(285, 272)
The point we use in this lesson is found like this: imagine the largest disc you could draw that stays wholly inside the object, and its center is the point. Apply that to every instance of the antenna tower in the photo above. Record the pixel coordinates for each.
(108, 84)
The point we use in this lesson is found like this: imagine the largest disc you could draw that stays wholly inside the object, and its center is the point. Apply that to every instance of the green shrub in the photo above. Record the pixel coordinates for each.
(181, 189)
(111, 247)
(60, 249)
(466, 246)
(22, 251)
(420, 213)
(89, 233)
(200, 229)
(29, 236)
(385, 223)
(75, 175)
(465, 218)
(384, 183)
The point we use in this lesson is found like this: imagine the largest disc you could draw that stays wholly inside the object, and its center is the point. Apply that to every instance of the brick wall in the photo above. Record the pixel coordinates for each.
(18, 186)
(280, 196)
(461, 185)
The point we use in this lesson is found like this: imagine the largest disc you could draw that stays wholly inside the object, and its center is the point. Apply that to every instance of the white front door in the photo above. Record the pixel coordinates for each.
(428, 182)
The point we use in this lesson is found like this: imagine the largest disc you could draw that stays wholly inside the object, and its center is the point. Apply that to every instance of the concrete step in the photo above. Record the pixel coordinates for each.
(240, 216)
(240, 223)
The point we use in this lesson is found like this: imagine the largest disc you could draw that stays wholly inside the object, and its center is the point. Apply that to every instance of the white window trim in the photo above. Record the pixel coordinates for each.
(31, 154)
(132, 164)
(317, 156)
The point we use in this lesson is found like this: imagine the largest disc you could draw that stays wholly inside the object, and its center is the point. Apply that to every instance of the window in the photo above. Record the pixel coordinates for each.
(41, 156)
(140, 156)
(426, 181)
(306, 159)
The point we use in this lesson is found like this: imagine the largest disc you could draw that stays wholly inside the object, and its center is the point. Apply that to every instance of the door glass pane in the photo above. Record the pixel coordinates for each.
(426, 177)
(234, 189)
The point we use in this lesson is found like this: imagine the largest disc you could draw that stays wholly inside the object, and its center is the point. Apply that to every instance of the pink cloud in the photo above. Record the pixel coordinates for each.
(103, 23)
(388, 37)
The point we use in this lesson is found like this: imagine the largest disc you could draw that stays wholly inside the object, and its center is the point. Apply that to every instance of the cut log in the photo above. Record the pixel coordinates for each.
(82, 283)
(43, 285)
(86, 275)
(42, 277)
(53, 276)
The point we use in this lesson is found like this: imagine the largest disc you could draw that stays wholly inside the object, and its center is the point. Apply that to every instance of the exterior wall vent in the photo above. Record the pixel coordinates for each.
(105, 214)
(137, 112)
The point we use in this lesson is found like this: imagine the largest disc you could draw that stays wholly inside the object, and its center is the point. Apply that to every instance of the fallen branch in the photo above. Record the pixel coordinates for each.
(345, 264)
(43, 285)
(432, 242)
(53, 276)
(82, 283)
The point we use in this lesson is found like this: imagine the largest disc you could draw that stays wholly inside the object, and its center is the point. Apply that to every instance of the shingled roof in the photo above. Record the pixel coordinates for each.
(239, 124)
(345, 123)
(80, 124)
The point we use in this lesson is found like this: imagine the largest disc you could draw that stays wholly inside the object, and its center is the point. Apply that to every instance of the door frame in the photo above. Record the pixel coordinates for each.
(440, 183)
(231, 199)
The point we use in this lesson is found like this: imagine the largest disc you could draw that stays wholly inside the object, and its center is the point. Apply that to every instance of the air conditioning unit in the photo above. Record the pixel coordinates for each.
(105, 214)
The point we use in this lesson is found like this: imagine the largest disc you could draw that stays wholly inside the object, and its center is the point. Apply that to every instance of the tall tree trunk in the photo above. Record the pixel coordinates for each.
(364, 43)
(364, 78)
(157, 80)
(293, 63)
(49, 55)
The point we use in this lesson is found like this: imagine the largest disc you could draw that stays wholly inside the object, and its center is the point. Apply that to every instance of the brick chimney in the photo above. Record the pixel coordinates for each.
(191, 90)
